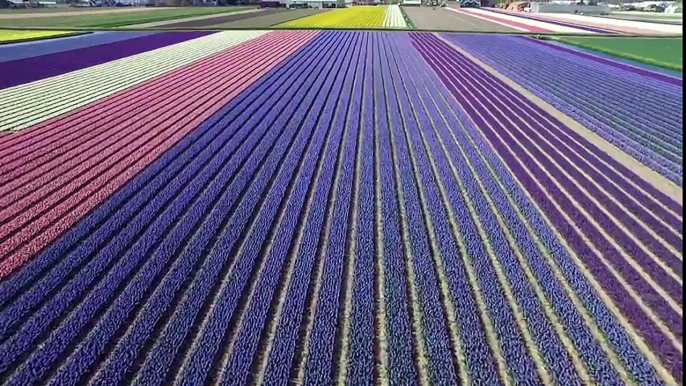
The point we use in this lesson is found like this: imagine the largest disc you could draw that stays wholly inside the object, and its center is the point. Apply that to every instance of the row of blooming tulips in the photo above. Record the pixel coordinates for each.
(354, 17)
(400, 212)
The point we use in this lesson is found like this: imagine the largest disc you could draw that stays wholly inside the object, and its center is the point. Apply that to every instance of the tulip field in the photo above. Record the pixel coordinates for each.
(337, 207)
(23, 35)
(355, 17)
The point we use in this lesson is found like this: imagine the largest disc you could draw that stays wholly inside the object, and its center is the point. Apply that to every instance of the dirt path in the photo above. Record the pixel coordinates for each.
(265, 21)
(442, 19)
(199, 21)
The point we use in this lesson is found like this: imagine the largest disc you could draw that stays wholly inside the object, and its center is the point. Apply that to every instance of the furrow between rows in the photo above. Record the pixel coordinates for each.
(577, 244)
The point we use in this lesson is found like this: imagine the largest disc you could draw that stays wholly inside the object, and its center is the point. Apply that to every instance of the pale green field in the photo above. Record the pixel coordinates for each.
(13, 35)
(103, 19)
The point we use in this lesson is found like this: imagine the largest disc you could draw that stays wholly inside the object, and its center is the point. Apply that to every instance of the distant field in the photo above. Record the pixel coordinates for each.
(211, 20)
(9, 35)
(648, 15)
(663, 52)
(429, 18)
(265, 19)
(115, 19)
(663, 18)
(355, 17)
(5, 11)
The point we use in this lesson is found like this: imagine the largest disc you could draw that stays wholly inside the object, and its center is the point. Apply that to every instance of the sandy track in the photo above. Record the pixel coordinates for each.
(264, 21)
(204, 21)
(442, 19)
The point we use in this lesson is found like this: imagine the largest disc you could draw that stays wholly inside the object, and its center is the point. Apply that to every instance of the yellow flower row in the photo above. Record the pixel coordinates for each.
(12, 35)
(353, 17)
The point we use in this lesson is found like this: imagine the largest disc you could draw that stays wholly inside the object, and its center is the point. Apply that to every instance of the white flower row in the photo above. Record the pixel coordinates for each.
(394, 17)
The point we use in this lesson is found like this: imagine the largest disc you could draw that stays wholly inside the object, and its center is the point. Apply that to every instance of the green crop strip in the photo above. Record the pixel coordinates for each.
(117, 19)
(658, 51)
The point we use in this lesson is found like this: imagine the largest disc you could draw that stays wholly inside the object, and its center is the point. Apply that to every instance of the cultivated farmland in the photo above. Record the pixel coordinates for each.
(354, 17)
(442, 19)
(109, 18)
(663, 52)
(7, 36)
(337, 207)
(272, 19)
(224, 19)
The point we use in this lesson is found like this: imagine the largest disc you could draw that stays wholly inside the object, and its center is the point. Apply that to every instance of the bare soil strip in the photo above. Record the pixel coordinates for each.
(208, 19)
(220, 19)
(442, 19)
(265, 21)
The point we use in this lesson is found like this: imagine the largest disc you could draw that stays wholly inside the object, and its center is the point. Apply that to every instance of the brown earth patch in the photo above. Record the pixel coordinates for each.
(266, 21)
(442, 19)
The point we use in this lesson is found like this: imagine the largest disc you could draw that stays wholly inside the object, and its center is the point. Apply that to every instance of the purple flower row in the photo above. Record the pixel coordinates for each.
(40, 67)
(218, 295)
(596, 361)
(109, 251)
(649, 265)
(362, 339)
(576, 243)
(9, 52)
(674, 239)
(318, 365)
(520, 361)
(606, 99)
(396, 293)
(314, 181)
(433, 167)
(629, 67)
(441, 368)
(556, 358)
(557, 137)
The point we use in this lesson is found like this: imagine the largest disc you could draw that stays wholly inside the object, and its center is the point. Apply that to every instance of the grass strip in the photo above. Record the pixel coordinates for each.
(112, 20)
(661, 52)
(20, 36)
